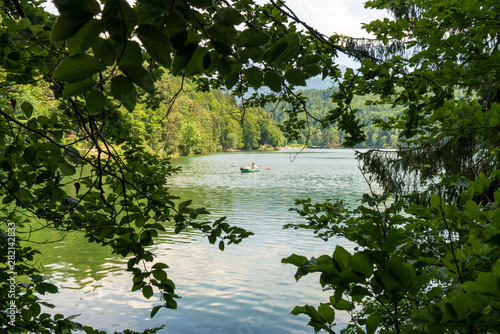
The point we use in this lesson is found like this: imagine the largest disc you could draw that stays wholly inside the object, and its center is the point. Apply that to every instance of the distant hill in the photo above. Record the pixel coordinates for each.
(319, 104)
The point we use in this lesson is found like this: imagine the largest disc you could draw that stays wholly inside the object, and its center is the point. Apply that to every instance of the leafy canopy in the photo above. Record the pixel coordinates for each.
(421, 271)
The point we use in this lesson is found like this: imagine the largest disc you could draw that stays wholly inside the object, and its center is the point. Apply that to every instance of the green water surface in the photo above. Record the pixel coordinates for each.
(246, 288)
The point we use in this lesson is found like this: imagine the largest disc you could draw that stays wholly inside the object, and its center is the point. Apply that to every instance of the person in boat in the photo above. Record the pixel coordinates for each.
(253, 165)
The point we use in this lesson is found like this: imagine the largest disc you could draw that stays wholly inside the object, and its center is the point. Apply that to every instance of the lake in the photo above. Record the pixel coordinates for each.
(245, 288)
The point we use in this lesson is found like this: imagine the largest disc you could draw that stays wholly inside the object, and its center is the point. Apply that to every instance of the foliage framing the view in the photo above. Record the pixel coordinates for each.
(427, 253)
(430, 268)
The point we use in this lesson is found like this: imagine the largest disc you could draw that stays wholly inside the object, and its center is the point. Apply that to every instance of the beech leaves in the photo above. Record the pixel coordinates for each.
(100, 43)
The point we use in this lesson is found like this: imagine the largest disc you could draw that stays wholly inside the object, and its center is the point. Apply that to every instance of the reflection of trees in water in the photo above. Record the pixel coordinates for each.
(72, 256)
(73, 260)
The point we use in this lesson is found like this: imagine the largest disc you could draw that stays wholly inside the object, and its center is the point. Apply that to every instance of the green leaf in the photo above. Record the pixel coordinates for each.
(273, 80)
(171, 304)
(360, 263)
(367, 62)
(182, 58)
(77, 88)
(327, 313)
(252, 37)
(115, 29)
(68, 24)
(296, 77)
(95, 101)
(24, 23)
(66, 169)
(255, 53)
(297, 260)
(160, 265)
(201, 3)
(313, 70)
(30, 154)
(275, 50)
(222, 48)
(9, 23)
(104, 51)
(229, 15)
(212, 238)
(435, 202)
(128, 14)
(496, 195)
(184, 205)
(471, 209)
(298, 310)
(145, 239)
(481, 182)
(386, 280)
(342, 304)
(372, 324)
(77, 68)
(450, 308)
(147, 291)
(254, 76)
(342, 257)
(80, 6)
(232, 78)
(156, 43)
(131, 55)
(48, 287)
(124, 91)
(221, 245)
(159, 274)
(138, 75)
(26, 314)
(310, 60)
(224, 66)
(195, 65)
(283, 49)
(155, 310)
(85, 37)
(223, 32)
(138, 278)
(27, 108)
(131, 263)
(35, 309)
(39, 288)
(37, 278)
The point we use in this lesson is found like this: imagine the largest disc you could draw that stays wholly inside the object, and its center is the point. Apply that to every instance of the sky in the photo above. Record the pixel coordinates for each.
(343, 17)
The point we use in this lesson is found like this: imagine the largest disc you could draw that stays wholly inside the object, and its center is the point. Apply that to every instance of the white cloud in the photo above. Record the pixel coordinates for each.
(330, 17)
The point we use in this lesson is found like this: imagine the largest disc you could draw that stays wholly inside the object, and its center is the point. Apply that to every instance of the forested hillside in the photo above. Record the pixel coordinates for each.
(187, 121)
(183, 120)
(319, 103)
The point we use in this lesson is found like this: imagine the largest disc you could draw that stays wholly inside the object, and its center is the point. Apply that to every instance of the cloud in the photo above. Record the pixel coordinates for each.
(330, 17)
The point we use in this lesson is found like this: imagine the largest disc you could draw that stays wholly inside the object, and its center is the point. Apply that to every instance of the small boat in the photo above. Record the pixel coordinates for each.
(249, 169)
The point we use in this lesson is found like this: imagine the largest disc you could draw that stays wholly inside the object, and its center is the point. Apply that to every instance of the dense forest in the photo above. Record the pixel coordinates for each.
(184, 120)
(319, 103)
(181, 121)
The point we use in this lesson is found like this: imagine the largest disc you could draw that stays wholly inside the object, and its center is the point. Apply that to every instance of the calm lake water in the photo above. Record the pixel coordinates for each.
(246, 288)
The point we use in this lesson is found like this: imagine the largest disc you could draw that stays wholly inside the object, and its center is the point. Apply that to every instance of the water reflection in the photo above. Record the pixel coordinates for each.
(244, 289)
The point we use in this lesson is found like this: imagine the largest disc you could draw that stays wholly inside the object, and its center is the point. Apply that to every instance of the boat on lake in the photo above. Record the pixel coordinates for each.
(250, 169)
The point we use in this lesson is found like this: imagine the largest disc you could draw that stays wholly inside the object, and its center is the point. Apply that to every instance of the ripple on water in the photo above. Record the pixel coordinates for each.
(246, 288)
